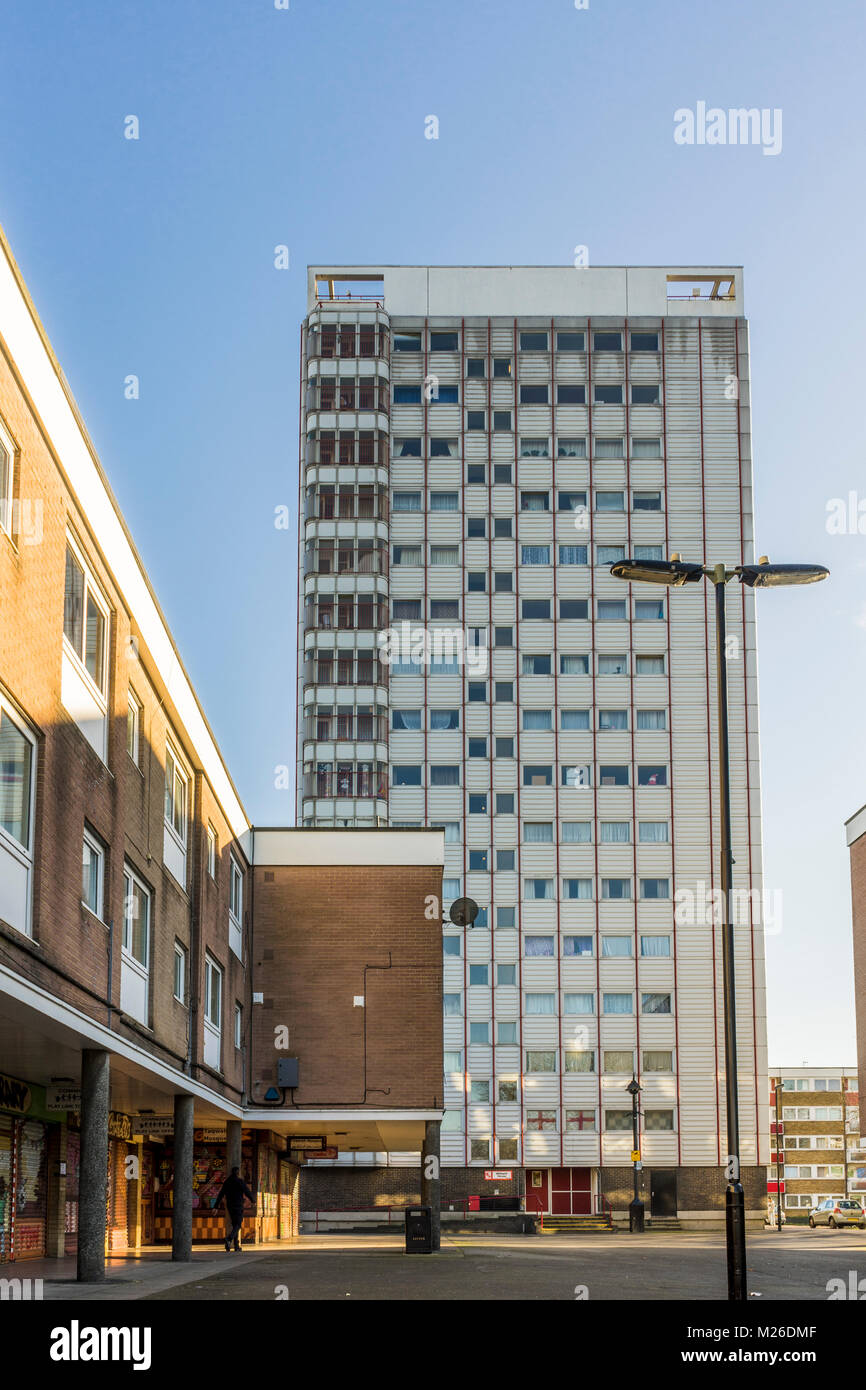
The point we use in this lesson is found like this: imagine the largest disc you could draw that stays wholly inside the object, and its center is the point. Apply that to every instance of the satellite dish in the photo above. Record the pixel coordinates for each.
(463, 912)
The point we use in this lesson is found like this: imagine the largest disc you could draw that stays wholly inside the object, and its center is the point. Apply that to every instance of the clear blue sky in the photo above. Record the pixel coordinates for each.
(306, 127)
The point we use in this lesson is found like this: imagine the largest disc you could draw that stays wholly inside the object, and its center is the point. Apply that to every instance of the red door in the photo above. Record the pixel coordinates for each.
(571, 1191)
(537, 1190)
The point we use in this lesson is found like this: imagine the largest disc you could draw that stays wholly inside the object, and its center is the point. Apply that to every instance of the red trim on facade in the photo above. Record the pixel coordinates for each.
(590, 555)
(557, 770)
(631, 708)
(514, 395)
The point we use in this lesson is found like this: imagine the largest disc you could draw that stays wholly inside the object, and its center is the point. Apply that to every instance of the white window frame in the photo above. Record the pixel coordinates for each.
(98, 849)
(134, 708)
(18, 851)
(130, 877)
(99, 688)
(212, 1031)
(180, 954)
(175, 845)
(236, 912)
(212, 843)
(8, 493)
(239, 1026)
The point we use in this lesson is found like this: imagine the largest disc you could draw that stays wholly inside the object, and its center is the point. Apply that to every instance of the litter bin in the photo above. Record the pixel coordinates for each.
(419, 1231)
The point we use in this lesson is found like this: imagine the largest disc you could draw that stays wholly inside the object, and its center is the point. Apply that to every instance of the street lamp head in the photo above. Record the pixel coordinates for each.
(634, 1088)
(763, 575)
(673, 572)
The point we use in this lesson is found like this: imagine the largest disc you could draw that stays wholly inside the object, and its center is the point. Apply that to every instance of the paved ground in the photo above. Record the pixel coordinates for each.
(793, 1266)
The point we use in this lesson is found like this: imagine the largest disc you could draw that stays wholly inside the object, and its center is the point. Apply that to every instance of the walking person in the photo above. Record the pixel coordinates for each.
(233, 1192)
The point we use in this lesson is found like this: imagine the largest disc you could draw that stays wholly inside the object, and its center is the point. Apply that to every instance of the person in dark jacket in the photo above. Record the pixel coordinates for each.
(233, 1192)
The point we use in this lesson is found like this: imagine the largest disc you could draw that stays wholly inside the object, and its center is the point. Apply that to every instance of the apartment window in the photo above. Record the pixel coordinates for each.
(534, 501)
(444, 776)
(17, 785)
(609, 502)
(615, 832)
(648, 552)
(478, 860)
(644, 395)
(404, 719)
(7, 456)
(501, 472)
(614, 1003)
(476, 420)
(611, 610)
(570, 395)
(451, 945)
(506, 1094)
(578, 1003)
(476, 692)
(407, 341)
(613, 775)
(576, 832)
(479, 1032)
(538, 946)
(570, 342)
(475, 366)
(575, 719)
(443, 341)
(573, 555)
(655, 1060)
(503, 637)
(505, 803)
(537, 719)
(533, 341)
(407, 448)
(644, 342)
(613, 719)
(655, 946)
(180, 972)
(135, 947)
(652, 832)
(92, 873)
(213, 995)
(212, 847)
(615, 889)
(236, 907)
(573, 664)
(655, 1003)
(536, 665)
(658, 1119)
(652, 776)
(541, 1004)
(607, 342)
(535, 555)
(537, 888)
(441, 719)
(451, 887)
(537, 776)
(651, 719)
(615, 947)
(133, 724)
(443, 448)
(504, 748)
(502, 366)
(615, 1121)
(533, 395)
(503, 582)
(541, 1061)
(505, 916)
(476, 527)
(619, 1063)
(646, 501)
(407, 555)
(571, 449)
(657, 888)
(444, 555)
(476, 582)
(613, 665)
(443, 502)
(477, 804)
(580, 1061)
(177, 785)
(577, 946)
(570, 501)
(406, 775)
(443, 608)
(239, 1026)
(577, 776)
(646, 448)
(649, 665)
(609, 554)
(478, 975)
(407, 608)
(407, 395)
(577, 888)
(503, 692)
(85, 619)
(608, 395)
(502, 528)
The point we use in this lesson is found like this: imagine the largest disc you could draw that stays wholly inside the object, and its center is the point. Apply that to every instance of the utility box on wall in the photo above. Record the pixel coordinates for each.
(287, 1072)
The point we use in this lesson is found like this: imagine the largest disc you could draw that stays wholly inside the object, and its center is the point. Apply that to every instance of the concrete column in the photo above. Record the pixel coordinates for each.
(431, 1184)
(93, 1168)
(181, 1233)
(233, 1145)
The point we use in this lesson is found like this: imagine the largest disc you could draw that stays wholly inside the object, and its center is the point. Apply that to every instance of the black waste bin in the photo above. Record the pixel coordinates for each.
(419, 1231)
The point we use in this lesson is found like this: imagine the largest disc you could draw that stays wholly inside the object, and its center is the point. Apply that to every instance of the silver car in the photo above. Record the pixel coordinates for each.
(837, 1211)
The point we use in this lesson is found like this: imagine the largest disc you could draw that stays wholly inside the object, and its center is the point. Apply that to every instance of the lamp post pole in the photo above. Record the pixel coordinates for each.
(779, 1154)
(636, 1207)
(735, 1206)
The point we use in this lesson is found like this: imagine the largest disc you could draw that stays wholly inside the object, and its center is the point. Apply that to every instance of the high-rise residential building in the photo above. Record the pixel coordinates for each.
(478, 445)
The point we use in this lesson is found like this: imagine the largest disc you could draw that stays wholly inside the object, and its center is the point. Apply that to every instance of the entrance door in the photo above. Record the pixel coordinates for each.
(663, 1192)
(537, 1190)
(571, 1191)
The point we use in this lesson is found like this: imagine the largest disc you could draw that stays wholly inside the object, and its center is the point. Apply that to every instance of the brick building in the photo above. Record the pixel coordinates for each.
(134, 1050)
(816, 1111)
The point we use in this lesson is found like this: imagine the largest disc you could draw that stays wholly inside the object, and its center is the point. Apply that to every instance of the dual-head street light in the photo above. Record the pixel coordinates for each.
(675, 573)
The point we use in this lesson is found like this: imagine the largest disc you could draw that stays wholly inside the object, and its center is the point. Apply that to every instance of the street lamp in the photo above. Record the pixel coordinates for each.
(635, 1210)
(674, 573)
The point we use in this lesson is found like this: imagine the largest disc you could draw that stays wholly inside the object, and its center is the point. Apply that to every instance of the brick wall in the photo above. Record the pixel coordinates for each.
(325, 935)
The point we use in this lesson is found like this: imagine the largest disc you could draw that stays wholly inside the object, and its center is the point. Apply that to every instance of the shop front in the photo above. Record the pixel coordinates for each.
(264, 1168)
(25, 1135)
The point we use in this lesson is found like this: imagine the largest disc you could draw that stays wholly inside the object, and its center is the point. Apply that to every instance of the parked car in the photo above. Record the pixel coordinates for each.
(838, 1211)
